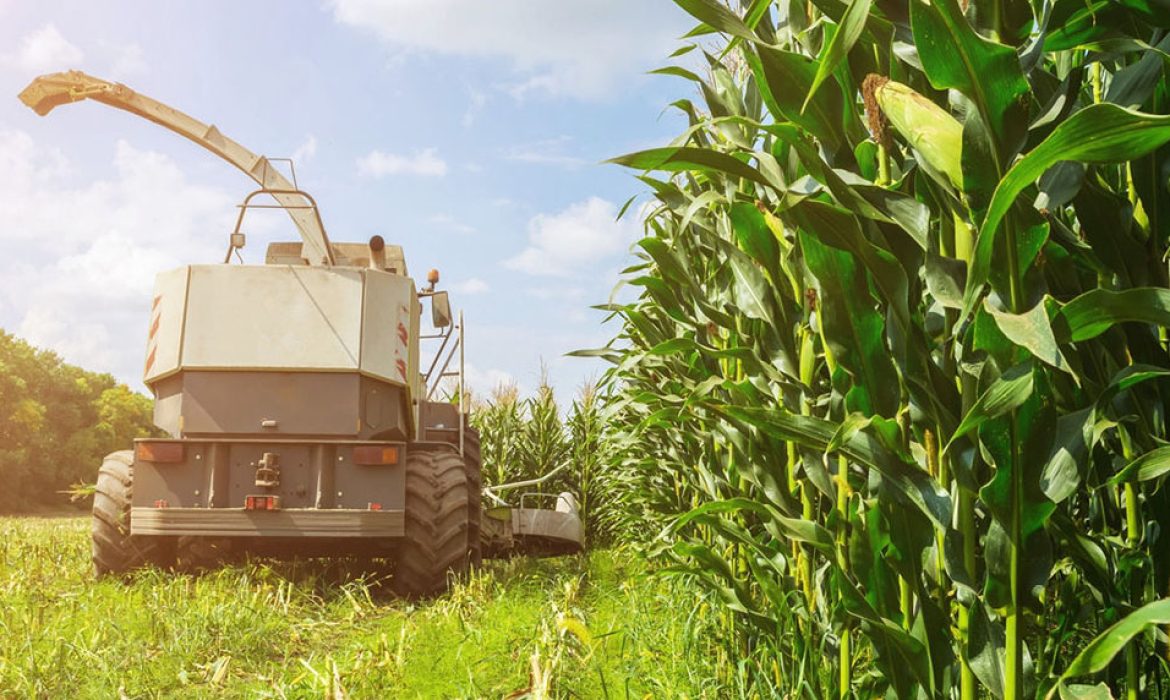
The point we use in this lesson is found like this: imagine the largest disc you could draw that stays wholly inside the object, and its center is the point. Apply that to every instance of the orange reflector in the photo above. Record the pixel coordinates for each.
(375, 454)
(262, 503)
(158, 451)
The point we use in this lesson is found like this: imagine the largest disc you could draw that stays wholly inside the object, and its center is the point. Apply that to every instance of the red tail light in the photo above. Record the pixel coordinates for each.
(375, 454)
(375, 506)
(262, 503)
(158, 451)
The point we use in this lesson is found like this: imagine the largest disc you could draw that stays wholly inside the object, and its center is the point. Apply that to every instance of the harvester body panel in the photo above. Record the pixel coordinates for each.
(284, 350)
(322, 490)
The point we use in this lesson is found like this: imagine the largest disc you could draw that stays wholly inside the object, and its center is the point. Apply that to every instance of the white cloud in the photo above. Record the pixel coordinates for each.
(306, 151)
(577, 48)
(426, 163)
(471, 286)
(546, 152)
(535, 85)
(567, 294)
(483, 382)
(45, 50)
(449, 222)
(575, 239)
(87, 255)
(477, 100)
(128, 61)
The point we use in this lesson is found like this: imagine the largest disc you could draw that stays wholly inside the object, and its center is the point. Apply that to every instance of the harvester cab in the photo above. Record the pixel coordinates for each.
(300, 419)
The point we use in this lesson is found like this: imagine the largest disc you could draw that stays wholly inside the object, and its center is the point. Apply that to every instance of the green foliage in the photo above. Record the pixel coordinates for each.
(544, 446)
(500, 422)
(57, 421)
(901, 394)
(596, 626)
(587, 455)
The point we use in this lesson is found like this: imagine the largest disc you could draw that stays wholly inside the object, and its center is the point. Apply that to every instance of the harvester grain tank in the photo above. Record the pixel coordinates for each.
(298, 409)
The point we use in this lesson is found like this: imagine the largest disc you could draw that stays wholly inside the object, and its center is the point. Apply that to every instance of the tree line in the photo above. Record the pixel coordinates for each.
(57, 421)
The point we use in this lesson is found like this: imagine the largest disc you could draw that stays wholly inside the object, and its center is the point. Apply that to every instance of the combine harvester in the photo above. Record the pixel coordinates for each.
(300, 419)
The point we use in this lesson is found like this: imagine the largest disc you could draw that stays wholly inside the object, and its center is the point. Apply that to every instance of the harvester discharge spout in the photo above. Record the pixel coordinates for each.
(50, 91)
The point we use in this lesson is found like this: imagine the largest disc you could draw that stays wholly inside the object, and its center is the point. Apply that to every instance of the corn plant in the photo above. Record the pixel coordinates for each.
(543, 441)
(500, 421)
(893, 387)
(587, 452)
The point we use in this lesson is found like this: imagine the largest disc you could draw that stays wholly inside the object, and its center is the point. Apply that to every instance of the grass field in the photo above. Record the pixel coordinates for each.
(586, 626)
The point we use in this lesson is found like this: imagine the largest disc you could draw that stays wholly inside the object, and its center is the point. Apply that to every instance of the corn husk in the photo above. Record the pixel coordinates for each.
(931, 131)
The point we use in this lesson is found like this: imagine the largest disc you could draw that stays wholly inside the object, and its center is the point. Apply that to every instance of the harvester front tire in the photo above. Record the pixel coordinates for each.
(115, 552)
(435, 544)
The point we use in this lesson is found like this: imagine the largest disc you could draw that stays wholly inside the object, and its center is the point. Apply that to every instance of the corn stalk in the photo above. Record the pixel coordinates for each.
(939, 274)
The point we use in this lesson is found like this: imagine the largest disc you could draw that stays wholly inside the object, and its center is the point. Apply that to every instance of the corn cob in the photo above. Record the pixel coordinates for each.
(931, 131)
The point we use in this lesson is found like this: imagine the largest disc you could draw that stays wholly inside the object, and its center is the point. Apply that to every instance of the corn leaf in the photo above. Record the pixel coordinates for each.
(784, 78)
(1009, 391)
(750, 287)
(754, 236)
(1078, 691)
(1032, 330)
(848, 32)
(1096, 311)
(955, 57)
(853, 327)
(795, 528)
(817, 433)
(1151, 465)
(1101, 133)
(687, 158)
(718, 17)
(984, 651)
(1099, 652)
(838, 228)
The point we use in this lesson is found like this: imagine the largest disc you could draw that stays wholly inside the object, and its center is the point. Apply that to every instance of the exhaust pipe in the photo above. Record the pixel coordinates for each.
(377, 252)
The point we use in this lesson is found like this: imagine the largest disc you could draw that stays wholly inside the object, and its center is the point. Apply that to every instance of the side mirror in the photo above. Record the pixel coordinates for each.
(440, 310)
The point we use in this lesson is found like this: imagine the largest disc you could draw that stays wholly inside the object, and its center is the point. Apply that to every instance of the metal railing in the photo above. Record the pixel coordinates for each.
(310, 204)
(493, 492)
(432, 379)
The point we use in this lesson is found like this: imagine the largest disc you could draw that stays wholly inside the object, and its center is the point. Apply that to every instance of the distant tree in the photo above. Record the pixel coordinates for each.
(56, 423)
(122, 412)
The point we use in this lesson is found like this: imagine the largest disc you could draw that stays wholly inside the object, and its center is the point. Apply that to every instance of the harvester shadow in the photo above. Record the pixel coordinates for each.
(333, 578)
(326, 578)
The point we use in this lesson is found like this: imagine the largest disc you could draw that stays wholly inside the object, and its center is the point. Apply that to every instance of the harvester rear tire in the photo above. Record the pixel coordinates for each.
(434, 546)
(115, 551)
(471, 458)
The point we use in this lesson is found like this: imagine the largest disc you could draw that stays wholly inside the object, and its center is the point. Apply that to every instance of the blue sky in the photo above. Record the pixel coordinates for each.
(469, 132)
